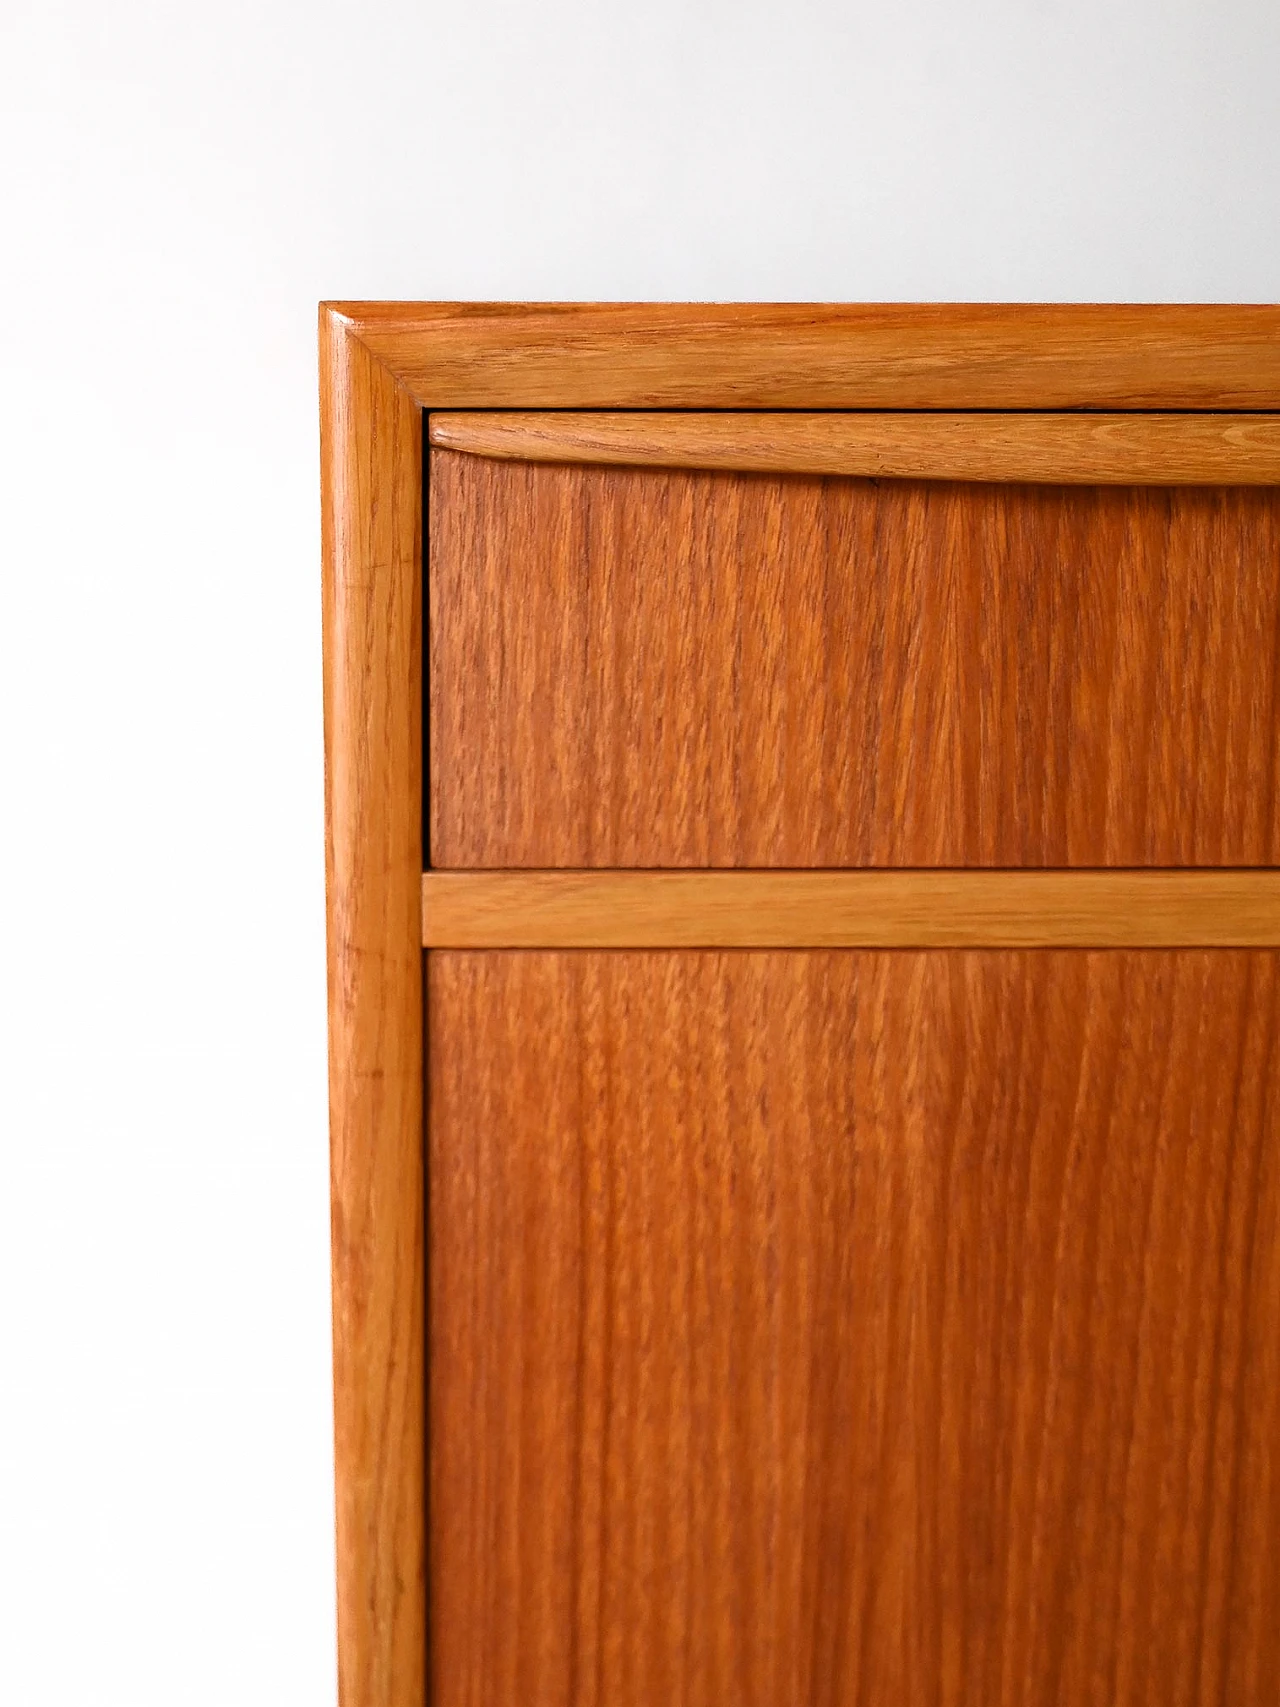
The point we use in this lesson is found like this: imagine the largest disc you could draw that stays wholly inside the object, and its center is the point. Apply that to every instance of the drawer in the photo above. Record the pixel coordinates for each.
(674, 666)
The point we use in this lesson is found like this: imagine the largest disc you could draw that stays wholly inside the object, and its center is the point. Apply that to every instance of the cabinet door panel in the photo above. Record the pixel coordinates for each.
(872, 1328)
(648, 667)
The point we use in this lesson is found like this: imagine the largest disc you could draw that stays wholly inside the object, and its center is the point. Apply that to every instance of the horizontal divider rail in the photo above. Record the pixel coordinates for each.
(1058, 449)
(1225, 908)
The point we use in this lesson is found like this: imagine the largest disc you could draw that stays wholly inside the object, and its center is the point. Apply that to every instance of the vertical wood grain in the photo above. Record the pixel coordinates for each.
(855, 1329)
(371, 460)
(652, 668)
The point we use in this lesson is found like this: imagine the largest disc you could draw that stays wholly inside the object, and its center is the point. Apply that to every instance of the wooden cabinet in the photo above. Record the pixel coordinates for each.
(820, 1242)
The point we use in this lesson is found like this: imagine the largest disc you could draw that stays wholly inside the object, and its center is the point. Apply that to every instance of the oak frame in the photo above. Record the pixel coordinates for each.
(1083, 907)
(381, 366)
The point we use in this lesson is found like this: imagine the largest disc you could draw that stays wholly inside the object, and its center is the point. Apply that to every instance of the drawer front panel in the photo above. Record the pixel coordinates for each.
(854, 1327)
(654, 667)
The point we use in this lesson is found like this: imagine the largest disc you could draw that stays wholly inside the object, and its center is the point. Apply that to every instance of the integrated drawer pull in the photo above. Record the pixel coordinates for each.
(1056, 449)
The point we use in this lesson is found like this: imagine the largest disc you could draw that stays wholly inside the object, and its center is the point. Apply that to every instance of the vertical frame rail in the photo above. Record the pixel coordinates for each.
(371, 475)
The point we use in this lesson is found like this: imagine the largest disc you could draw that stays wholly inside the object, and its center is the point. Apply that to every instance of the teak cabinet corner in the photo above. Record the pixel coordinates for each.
(803, 851)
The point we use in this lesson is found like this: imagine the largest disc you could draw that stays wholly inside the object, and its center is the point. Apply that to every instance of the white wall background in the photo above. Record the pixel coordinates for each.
(180, 184)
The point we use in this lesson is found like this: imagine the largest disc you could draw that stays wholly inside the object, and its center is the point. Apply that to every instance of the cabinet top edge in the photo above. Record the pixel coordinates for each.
(822, 355)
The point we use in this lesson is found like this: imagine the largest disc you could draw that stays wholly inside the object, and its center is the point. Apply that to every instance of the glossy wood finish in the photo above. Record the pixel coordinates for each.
(855, 1328)
(850, 909)
(371, 464)
(507, 355)
(654, 668)
(975, 1390)
(1082, 449)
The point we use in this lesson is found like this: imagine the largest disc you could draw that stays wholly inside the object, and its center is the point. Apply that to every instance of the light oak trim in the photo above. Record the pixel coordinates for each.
(1174, 450)
(371, 469)
(582, 355)
(851, 909)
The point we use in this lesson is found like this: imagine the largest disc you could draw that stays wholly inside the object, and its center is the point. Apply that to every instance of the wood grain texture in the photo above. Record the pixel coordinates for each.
(476, 355)
(855, 1329)
(657, 668)
(371, 463)
(851, 909)
(1088, 449)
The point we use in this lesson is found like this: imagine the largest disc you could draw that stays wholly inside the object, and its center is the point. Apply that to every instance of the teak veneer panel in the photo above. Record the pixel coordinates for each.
(1162, 450)
(834, 1328)
(630, 355)
(850, 909)
(657, 668)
